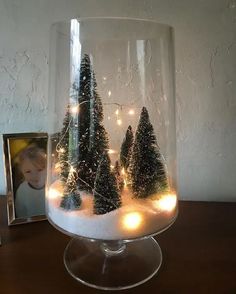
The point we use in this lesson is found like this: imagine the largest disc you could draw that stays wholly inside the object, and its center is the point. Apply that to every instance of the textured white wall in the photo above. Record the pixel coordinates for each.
(205, 39)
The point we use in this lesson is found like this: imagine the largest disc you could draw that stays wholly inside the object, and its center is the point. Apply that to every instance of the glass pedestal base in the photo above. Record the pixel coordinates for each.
(112, 265)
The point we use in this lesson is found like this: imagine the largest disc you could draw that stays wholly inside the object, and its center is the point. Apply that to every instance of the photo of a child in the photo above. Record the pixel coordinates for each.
(30, 195)
(25, 157)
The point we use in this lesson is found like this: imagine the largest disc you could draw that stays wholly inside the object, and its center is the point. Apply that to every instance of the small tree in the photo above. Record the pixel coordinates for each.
(106, 196)
(126, 148)
(71, 199)
(147, 171)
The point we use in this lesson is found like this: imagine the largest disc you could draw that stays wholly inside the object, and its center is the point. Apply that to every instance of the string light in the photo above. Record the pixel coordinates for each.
(131, 112)
(124, 177)
(72, 170)
(74, 109)
(61, 150)
(57, 166)
(132, 220)
(111, 151)
(109, 93)
(167, 202)
(119, 122)
(53, 193)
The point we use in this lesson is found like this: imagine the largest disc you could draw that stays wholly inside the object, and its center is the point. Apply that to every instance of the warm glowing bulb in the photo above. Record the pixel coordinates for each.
(74, 109)
(57, 166)
(53, 193)
(111, 151)
(72, 169)
(131, 112)
(104, 78)
(108, 117)
(117, 111)
(62, 150)
(167, 202)
(109, 93)
(119, 122)
(124, 177)
(132, 220)
(111, 166)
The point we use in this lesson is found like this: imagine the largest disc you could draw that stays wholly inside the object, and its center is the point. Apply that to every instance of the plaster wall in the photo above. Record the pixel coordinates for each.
(205, 46)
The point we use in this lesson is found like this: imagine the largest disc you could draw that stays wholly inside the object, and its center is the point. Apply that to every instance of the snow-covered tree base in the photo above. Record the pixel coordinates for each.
(112, 225)
(70, 202)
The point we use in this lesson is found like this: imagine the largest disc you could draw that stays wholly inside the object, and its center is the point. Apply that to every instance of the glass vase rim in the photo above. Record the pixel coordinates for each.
(117, 18)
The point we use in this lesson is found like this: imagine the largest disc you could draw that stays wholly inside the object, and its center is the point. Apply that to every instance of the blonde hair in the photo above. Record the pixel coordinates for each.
(36, 155)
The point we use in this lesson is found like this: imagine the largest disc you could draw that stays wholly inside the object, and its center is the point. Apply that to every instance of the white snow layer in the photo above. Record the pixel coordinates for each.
(110, 226)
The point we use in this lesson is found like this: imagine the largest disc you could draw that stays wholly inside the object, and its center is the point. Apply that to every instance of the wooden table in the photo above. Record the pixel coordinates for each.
(199, 253)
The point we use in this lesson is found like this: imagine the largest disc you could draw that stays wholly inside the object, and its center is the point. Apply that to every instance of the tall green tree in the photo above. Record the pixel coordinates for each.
(147, 170)
(106, 195)
(126, 148)
(93, 138)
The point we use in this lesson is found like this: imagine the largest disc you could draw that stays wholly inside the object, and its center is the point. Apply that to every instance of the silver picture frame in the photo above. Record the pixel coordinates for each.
(14, 145)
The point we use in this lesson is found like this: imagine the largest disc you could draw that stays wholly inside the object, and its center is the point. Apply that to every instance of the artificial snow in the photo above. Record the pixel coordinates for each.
(110, 226)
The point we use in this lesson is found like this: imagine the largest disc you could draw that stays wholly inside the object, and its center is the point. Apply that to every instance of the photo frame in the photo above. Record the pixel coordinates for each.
(25, 170)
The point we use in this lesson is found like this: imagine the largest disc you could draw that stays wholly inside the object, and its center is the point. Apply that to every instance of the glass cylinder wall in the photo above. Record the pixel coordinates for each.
(112, 144)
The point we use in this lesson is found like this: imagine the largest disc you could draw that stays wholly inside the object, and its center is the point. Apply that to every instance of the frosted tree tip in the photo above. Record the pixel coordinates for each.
(86, 57)
(144, 110)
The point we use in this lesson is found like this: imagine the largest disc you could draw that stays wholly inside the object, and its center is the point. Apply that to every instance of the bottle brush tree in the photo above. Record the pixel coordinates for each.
(147, 171)
(106, 195)
(92, 136)
(71, 199)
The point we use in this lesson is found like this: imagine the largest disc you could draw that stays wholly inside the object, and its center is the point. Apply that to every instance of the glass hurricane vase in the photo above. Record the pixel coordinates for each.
(112, 147)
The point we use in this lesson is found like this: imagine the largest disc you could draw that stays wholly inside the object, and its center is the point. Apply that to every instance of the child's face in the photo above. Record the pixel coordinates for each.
(35, 176)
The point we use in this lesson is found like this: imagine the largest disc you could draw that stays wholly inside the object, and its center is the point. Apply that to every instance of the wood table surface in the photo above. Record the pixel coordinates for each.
(199, 255)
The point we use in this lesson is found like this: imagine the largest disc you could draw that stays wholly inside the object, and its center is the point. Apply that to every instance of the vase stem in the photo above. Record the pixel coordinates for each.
(111, 248)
